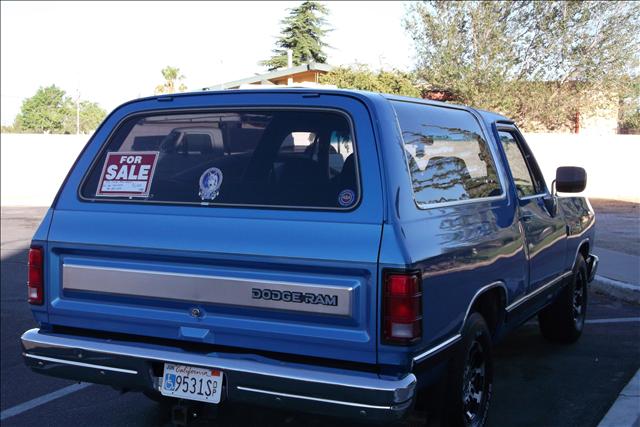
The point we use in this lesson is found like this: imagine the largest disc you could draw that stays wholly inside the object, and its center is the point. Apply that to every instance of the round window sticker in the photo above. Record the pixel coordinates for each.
(210, 182)
(346, 198)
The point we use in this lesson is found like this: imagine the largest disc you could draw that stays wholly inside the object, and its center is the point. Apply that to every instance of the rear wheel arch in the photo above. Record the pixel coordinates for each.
(490, 302)
(583, 250)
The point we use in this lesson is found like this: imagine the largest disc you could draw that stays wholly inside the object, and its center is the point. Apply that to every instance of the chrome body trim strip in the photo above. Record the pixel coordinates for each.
(480, 292)
(214, 289)
(433, 350)
(315, 399)
(81, 364)
(425, 206)
(538, 291)
(582, 242)
(534, 196)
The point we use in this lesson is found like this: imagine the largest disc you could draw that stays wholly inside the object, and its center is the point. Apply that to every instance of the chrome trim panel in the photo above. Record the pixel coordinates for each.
(315, 399)
(292, 296)
(34, 340)
(433, 350)
(81, 364)
(538, 291)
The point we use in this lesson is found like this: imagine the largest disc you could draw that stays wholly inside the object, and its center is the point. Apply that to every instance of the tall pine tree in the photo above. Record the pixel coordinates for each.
(302, 32)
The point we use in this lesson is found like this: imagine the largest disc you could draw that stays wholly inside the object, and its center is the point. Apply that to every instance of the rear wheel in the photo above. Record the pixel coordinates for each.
(471, 376)
(563, 320)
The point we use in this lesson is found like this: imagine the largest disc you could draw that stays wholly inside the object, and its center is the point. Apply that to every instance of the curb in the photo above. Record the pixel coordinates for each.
(625, 411)
(617, 289)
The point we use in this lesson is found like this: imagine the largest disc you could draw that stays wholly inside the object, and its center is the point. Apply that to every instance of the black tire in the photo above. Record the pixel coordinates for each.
(563, 320)
(470, 382)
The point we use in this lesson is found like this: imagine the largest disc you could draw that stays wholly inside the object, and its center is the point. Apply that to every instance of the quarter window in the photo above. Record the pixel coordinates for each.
(449, 159)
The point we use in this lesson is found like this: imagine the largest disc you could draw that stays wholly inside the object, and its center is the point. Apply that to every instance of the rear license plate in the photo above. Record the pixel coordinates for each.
(190, 382)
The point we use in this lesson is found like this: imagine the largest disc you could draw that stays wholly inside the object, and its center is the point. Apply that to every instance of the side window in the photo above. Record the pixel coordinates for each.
(448, 157)
(523, 176)
(519, 169)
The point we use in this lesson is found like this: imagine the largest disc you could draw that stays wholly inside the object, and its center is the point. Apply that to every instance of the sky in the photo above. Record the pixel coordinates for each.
(113, 52)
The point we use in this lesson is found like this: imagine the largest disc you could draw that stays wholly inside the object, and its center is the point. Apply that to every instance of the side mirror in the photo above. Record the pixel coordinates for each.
(570, 179)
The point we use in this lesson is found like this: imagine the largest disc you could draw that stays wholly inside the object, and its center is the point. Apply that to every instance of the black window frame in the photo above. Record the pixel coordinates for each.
(186, 111)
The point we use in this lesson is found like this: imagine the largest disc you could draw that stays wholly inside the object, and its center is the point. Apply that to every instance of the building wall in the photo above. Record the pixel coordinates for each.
(34, 166)
(307, 76)
(612, 161)
(601, 121)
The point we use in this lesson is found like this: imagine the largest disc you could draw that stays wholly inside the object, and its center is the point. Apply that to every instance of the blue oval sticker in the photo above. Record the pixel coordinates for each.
(346, 198)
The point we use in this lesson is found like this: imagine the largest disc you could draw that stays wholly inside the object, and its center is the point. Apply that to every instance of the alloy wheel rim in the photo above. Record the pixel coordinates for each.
(474, 383)
(578, 301)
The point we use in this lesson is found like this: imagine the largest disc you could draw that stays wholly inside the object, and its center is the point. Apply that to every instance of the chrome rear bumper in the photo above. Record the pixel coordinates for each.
(247, 378)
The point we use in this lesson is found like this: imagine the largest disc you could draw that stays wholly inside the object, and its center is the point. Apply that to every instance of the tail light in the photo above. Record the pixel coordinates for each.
(35, 281)
(402, 307)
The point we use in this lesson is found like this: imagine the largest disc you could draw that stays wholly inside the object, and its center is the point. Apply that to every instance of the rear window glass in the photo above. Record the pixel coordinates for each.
(448, 158)
(262, 158)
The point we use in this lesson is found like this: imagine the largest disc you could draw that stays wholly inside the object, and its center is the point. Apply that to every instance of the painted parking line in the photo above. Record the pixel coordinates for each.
(33, 403)
(615, 320)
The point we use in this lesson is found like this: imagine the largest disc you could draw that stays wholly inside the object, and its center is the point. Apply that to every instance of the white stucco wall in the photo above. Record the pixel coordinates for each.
(34, 166)
(612, 162)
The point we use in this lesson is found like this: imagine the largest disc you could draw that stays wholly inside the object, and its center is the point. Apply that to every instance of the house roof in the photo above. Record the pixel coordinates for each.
(266, 77)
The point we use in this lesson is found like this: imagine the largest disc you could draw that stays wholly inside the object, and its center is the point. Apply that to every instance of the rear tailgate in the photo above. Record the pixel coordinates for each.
(293, 281)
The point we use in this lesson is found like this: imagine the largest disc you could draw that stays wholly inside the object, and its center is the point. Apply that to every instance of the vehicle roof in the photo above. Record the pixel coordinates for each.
(372, 96)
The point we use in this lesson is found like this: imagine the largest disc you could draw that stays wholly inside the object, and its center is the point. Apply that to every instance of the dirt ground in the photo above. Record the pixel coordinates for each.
(617, 225)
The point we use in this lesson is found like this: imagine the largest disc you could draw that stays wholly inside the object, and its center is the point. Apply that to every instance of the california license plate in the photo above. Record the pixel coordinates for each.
(190, 382)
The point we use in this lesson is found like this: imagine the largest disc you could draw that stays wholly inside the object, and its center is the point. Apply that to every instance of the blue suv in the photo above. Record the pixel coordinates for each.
(327, 251)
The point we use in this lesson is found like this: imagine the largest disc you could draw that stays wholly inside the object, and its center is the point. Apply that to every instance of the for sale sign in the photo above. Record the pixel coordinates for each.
(127, 174)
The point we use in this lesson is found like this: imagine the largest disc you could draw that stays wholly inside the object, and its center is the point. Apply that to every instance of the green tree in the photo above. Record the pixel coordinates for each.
(362, 78)
(629, 120)
(91, 115)
(539, 62)
(48, 111)
(171, 77)
(302, 32)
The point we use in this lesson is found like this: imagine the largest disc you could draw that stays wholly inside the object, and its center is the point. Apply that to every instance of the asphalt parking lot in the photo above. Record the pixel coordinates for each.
(536, 384)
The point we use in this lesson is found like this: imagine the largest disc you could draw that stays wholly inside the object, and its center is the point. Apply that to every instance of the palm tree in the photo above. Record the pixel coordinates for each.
(171, 75)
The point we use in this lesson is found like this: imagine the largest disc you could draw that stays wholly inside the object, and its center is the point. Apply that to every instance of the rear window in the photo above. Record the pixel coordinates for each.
(261, 158)
(448, 158)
